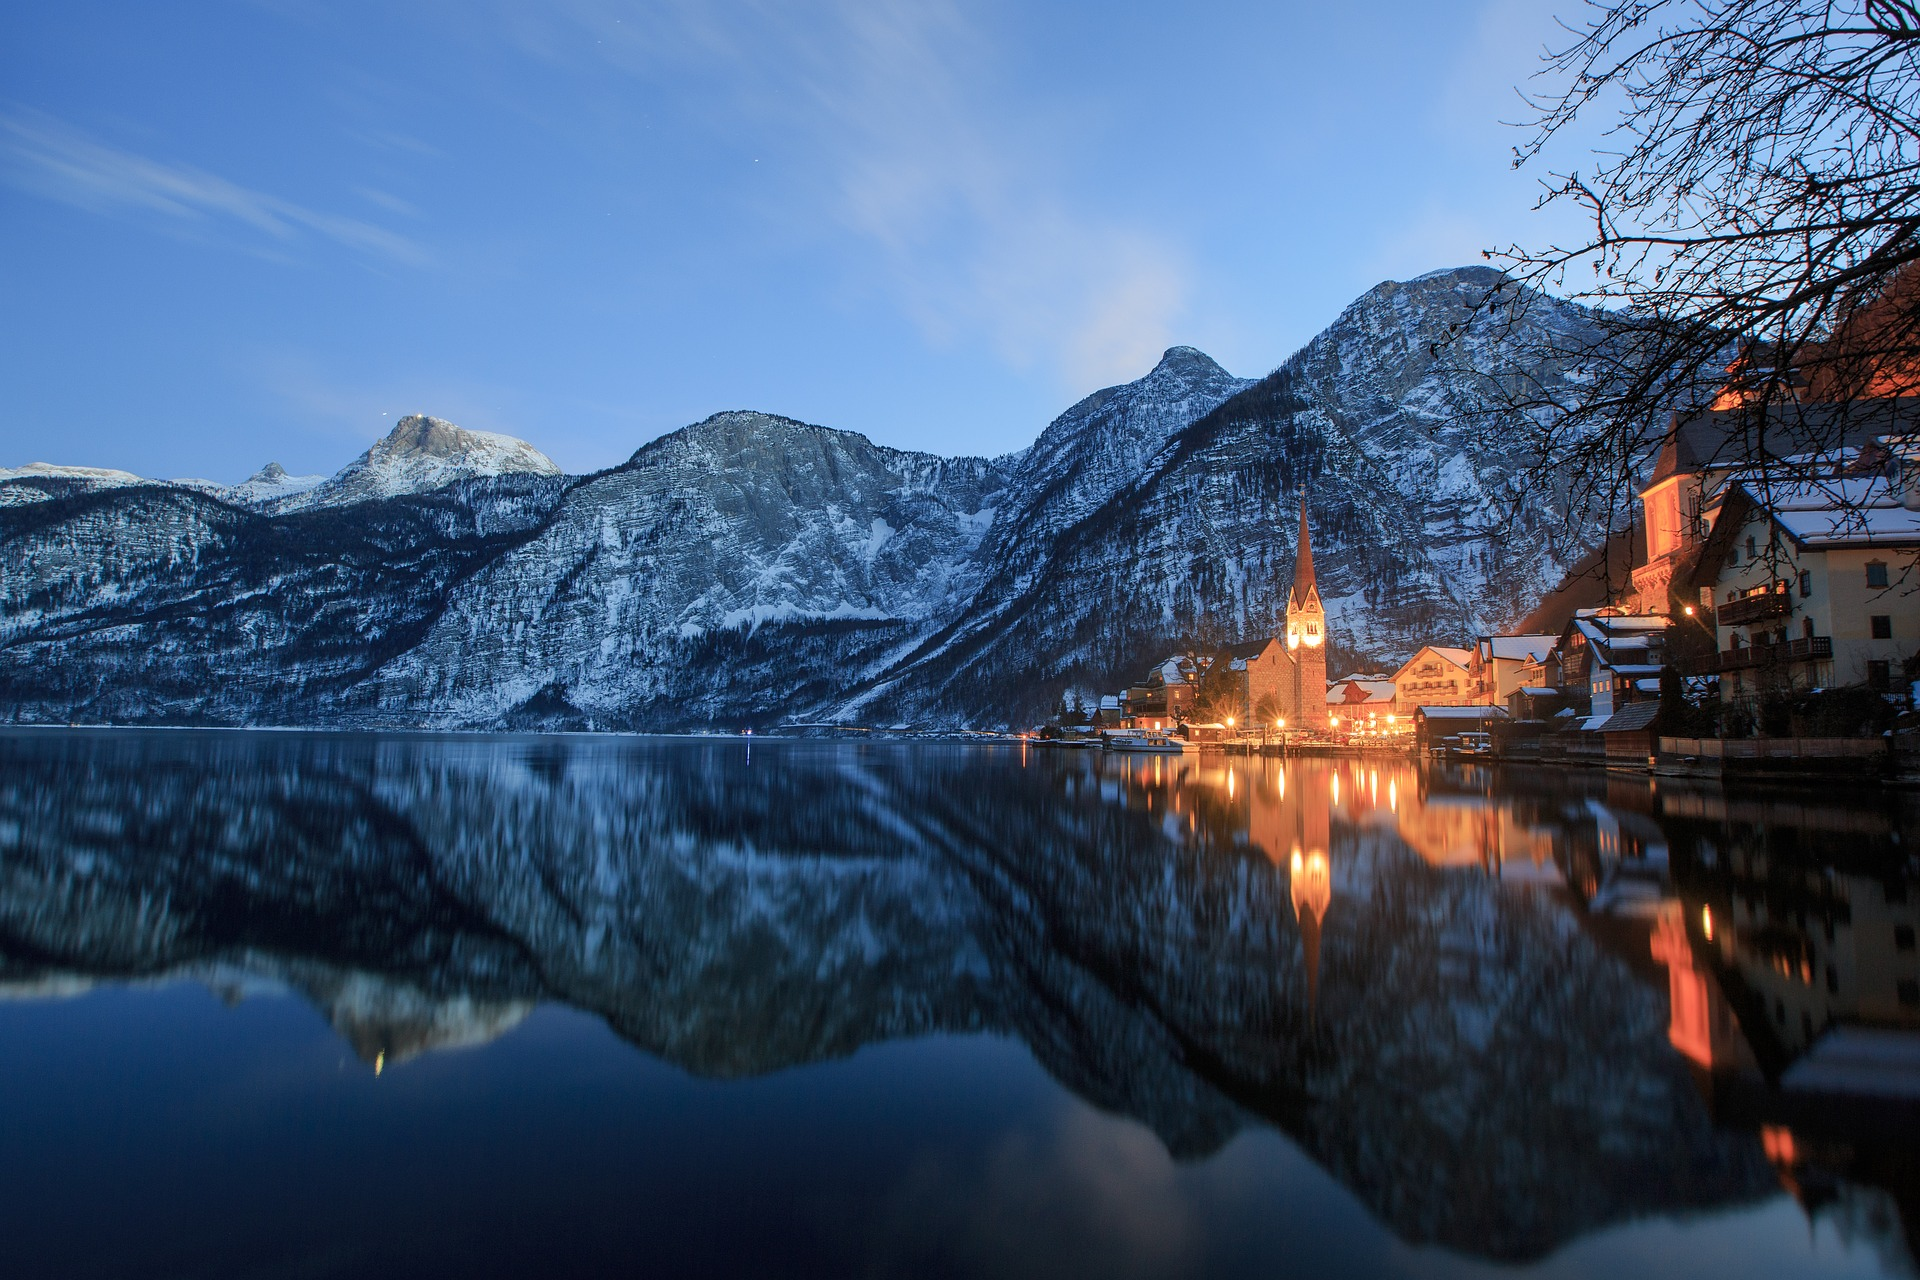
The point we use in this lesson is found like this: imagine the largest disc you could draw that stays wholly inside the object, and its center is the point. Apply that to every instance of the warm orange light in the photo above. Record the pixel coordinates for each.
(1706, 923)
(1281, 723)
(1229, 722)
(1689, 611)
(1776, 1141)
(1334, 721)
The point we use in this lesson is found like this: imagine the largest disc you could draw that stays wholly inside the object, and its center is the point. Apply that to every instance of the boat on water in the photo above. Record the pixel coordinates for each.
(1153, 741)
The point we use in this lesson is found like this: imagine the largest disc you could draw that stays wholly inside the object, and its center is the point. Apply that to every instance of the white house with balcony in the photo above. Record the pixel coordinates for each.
(1815, 584)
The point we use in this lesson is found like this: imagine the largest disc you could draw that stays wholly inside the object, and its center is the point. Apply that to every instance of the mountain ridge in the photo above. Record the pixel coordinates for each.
(751, 568)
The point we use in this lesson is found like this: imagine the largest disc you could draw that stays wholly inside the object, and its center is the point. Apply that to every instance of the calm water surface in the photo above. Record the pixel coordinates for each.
(311, 1005)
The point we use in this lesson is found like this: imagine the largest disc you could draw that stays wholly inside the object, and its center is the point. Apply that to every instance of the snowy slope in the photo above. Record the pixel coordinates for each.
(648, 588)
(38, 481)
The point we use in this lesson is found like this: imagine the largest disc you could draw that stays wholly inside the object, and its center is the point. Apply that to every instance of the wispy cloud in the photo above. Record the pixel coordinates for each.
(49, 158)
(978, 230)
(957, 185)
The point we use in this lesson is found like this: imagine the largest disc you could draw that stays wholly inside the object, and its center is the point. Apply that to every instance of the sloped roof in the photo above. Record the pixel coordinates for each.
(1716, 439)
(1458, 657)
(1633, 716)
(1524, 648)
(1850, 511)
(1378, 692)
(1248, 649)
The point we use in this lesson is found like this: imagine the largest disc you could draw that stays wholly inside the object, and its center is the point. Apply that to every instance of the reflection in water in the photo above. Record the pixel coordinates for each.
(1504, 1011)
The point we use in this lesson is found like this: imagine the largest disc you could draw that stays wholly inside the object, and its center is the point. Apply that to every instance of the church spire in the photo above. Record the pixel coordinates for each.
(1304, 585)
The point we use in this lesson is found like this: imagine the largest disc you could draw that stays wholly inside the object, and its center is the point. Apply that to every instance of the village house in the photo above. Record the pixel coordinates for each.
(1610, 658)
(1497, 665)
(1166, 695)
(1358, 696)
(1436, 676)
(1813, 587)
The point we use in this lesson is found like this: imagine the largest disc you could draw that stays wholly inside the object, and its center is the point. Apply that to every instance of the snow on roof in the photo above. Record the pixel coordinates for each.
(1538, 691)
(1522, 648)
(1377, 692)
(1458, 657)
(1840, 511)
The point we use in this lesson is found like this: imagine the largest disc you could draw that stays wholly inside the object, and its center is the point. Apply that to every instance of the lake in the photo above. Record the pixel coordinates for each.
(315, 1005)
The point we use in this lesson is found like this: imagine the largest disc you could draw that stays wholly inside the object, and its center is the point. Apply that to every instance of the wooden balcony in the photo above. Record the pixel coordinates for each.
(1761, 606)
(1816, 649)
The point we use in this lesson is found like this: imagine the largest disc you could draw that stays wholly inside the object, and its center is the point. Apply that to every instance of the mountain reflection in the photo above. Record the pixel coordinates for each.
(1504, 1012)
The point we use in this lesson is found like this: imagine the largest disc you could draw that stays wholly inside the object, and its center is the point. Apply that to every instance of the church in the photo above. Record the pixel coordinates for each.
(1275, 681)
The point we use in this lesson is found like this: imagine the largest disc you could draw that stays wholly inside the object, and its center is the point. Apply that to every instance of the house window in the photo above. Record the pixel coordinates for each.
(1806, 627)
(1879, 676)
(1880, 626)
(1806, 583)
(1751, 552)
(1877, 574)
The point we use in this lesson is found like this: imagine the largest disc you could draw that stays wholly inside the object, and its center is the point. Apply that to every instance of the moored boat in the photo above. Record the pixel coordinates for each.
(1154, 741)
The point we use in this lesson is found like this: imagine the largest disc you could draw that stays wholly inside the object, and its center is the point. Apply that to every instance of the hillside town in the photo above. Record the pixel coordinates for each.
(1763, 609)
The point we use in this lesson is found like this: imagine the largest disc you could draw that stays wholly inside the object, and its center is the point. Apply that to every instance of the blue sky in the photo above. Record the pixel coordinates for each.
(242, 230)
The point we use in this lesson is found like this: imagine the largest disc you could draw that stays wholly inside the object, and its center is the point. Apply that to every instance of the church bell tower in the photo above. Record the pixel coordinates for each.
(1307, 636)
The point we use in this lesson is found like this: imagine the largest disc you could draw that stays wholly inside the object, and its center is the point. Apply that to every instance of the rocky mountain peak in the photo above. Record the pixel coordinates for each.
(419, 436)
(419, 455)
(1187, 362)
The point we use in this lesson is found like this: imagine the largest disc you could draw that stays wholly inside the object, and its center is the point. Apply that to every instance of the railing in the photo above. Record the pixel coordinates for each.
(1814, 649)
(1762, 606)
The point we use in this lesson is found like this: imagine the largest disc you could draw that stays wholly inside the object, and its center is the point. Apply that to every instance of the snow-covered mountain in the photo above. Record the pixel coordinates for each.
(419, 455)
(751, 569)
(38, 481)
(269, 484)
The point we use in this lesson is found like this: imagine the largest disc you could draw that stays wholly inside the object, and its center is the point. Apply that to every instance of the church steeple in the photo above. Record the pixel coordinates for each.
(1306, 617)
(1305, 588)
(1306, 636)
